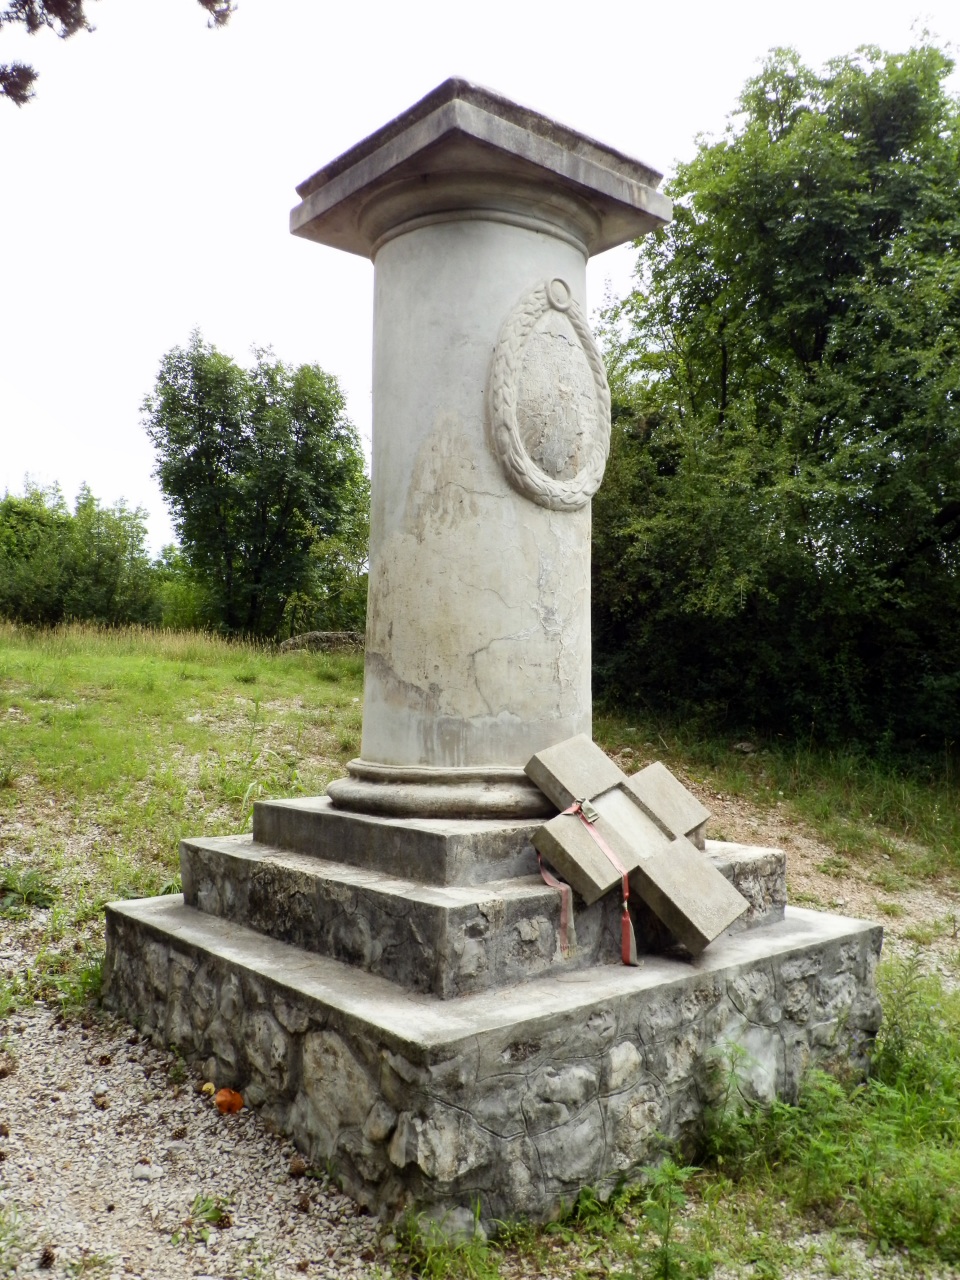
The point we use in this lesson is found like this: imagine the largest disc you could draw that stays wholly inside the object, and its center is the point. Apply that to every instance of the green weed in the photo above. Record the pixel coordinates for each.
(59, 923)
(11, 997)
(799, 898)
(880, 1157)
(205, 1212)
(891, 909)
(69, 979)
(889, 881)
(427, 1250)
(835, 1257)
(12, 1242)
(81, 984)
(671, 1255)
(22, 888)
(923, 933)
(89, 1264)
(837, 867)
(177, 1071)
(256, 1263)
(592, 1213)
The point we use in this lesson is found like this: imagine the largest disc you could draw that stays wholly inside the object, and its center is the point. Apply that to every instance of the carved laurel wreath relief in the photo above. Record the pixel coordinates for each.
(549, 403)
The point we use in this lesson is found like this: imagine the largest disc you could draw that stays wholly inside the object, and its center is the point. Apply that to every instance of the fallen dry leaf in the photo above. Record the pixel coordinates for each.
(228, 1101)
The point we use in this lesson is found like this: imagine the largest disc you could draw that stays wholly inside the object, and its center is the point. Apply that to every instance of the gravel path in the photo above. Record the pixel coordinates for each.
(106, 1144)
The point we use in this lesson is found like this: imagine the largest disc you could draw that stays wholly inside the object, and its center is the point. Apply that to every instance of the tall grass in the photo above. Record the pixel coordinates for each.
(117, 742)
(879, 1157)
(88, 637)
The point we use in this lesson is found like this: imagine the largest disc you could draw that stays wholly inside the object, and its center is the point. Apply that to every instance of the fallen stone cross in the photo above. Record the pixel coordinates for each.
(645, 829)
(667, 801)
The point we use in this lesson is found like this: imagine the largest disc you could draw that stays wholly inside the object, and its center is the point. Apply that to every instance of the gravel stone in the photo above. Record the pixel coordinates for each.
(103, 1192)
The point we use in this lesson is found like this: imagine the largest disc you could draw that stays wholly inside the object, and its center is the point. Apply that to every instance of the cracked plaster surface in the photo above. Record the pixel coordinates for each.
(480, 636)
(478, 643)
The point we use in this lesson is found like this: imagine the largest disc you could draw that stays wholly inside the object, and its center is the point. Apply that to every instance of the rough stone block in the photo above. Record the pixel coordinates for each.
(447, 940)
(759, 874)
(518, 1097)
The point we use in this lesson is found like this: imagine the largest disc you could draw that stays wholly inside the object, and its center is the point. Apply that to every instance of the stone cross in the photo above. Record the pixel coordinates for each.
(646, 821)
(491, 426)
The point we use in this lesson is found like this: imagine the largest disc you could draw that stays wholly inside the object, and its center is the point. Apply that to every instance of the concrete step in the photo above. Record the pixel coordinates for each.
(449, 940)
(514, 1097)
(453, 851)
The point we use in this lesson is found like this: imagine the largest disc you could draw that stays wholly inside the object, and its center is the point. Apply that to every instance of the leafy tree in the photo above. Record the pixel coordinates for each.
(89, 565)
(778, 541)
(334, 595)
(66, 18)
(32, 532)
(184, 603)
(108, 576)
(260, 467)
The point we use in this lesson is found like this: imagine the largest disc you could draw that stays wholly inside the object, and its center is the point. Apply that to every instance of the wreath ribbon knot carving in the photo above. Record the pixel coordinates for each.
(506, 438)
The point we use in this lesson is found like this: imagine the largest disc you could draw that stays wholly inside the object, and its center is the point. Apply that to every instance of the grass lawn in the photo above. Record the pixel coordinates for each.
(115, 744)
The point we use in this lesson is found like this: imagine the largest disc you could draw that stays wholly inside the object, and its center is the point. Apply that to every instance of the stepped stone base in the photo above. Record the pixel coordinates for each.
(452, 939)
(393, 994)
(441, 851)
(515, 1097)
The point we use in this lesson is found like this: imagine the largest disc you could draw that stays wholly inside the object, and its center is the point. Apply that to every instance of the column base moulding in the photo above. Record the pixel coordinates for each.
(402, 791)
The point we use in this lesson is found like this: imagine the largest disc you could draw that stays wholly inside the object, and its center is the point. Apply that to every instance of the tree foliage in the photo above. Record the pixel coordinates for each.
(333, 596)
(778, 540)
(90, 564)
(65, 18)
(264, 477)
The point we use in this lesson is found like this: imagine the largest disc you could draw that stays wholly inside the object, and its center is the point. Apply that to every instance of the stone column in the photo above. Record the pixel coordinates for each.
(491, 425)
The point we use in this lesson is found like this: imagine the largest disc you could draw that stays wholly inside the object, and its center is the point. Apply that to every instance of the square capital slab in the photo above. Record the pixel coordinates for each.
(466, 150)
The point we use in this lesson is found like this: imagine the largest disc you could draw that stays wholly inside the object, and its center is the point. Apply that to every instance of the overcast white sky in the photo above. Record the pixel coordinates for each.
(146, 189)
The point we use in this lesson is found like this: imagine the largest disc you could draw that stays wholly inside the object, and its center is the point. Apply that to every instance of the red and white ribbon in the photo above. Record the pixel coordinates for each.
(628, 942)
(565, 904)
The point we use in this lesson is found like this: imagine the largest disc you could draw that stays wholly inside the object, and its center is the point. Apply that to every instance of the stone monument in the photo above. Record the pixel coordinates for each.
(491, 425)
(381, 971)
